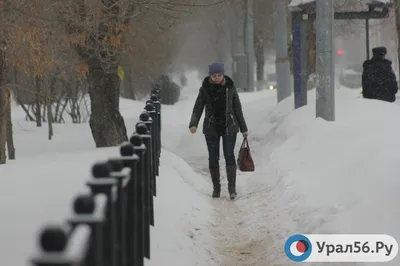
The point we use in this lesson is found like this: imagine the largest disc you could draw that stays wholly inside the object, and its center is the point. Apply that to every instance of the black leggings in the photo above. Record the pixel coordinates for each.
(228, 144)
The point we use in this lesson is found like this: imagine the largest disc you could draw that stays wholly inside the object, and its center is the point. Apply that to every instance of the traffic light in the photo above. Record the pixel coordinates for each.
(340, 52)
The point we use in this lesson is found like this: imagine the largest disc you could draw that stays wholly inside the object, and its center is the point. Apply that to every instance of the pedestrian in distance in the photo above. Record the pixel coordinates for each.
(223, 120)
(378, 78)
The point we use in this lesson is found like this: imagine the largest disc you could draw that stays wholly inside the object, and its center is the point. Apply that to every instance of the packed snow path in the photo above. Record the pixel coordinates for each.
(238, 240)
(296, 189)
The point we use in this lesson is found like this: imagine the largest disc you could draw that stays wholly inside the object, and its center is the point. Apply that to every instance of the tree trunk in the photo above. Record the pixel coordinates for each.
(28, 115)
(3, 110)
(44, 113)
(106, 122)
(38, 111)
(10, 139)
(3, 125)
(50, 120)
(49, 109)
(397, 15)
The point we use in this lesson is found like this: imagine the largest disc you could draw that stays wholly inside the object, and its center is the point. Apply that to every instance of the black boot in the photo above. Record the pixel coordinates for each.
(215, 177)
(231, 176)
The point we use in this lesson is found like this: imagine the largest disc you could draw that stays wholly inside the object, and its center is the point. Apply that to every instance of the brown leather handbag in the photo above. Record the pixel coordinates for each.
(245, 161)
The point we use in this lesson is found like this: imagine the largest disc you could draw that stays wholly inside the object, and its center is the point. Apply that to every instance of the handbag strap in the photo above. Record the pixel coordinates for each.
(245, 143)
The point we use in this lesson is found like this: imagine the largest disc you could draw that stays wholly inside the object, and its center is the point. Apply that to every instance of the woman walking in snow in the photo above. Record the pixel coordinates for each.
(223, 119)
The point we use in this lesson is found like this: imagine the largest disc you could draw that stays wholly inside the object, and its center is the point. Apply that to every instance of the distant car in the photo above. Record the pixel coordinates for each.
(271, 79)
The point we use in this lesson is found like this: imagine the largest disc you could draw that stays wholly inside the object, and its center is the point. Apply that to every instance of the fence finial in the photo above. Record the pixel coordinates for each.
(100, 170)
(53, 238)
(149, 107)
(126, 150)
(144, 116)
(154, 98)
(141, 128)
(136, 140)
(84, 204)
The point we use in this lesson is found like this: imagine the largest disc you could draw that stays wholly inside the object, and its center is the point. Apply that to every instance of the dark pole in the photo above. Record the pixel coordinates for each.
(304, 53)
(367, 36)
(296, 44)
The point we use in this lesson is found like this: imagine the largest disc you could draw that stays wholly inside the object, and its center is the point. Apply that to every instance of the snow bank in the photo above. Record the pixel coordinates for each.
(39, 187)
(180, 235)
(41, 190)
(332, 177)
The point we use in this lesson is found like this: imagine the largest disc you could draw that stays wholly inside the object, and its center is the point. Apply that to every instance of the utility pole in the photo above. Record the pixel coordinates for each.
(239, 64)
(282, 66)
(249, 44)
(325, 96)
(367, 38)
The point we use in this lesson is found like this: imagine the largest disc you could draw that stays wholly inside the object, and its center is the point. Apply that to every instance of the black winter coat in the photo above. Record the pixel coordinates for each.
(378, 80)
(224, 105)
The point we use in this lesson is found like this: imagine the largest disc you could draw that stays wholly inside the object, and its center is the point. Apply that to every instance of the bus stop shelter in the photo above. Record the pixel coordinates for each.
(303, 14)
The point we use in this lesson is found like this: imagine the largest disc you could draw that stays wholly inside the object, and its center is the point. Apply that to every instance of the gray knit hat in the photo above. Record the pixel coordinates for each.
(216, 68)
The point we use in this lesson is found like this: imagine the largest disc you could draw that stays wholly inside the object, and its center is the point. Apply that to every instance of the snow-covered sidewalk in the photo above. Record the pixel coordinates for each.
(312, 176)
(328, 177)
(39, 187)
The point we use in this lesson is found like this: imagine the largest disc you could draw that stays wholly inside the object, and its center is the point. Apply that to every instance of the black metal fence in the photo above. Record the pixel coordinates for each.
(111, 225)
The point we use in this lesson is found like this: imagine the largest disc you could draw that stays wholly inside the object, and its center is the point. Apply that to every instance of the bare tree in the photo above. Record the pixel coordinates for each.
(3, 124)
(102, 25)
(55, 46)
(5, 108)
(10, 136)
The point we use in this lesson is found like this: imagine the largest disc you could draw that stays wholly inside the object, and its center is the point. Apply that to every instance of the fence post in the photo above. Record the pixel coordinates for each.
(142, 196)
(103, 184)
(135, 214)
(150, 108)
(141, 129)
(144, 131)
(157, 104)
(146, 119)
(116, 167)
(90, 210)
